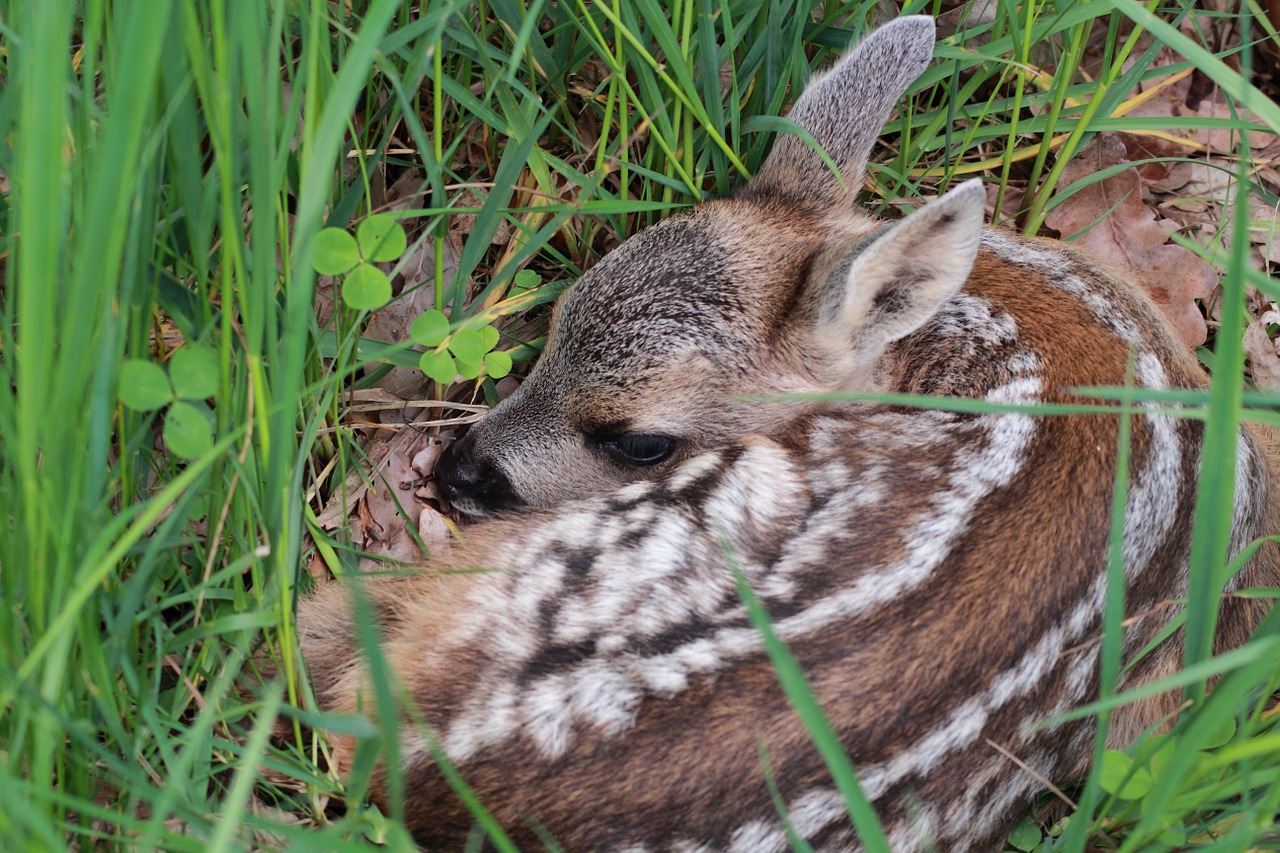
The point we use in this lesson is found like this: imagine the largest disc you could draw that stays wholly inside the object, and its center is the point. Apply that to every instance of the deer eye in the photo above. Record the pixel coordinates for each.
(637, 449)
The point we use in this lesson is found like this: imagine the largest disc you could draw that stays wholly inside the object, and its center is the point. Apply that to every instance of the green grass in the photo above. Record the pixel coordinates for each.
(168, 166)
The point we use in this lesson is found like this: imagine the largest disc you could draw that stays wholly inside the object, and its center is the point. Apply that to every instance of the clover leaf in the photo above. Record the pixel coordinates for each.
(430, 328)
(192, 376)
(336, 252)
(144, 386)
(467, 352)
(367, 288)
(186, 430)
(379, 238)
(1118, 776)
(194, 372)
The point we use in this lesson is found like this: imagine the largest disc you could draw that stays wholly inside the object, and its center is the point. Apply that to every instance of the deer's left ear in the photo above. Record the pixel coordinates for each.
(844, 110)
(885, 287)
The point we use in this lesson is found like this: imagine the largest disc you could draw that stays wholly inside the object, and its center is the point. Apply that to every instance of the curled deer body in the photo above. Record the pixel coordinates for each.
(939, 576)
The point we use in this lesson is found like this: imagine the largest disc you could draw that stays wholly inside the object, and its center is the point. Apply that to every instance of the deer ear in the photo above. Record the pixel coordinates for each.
(844, 111)
(886, 286)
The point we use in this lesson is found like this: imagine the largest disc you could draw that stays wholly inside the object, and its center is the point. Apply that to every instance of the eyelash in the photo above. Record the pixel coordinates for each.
(637, 449)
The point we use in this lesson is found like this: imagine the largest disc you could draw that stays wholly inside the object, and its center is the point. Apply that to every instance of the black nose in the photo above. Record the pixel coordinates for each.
(472, 486)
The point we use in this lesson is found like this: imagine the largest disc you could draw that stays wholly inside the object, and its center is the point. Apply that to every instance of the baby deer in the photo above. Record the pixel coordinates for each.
(939, 576)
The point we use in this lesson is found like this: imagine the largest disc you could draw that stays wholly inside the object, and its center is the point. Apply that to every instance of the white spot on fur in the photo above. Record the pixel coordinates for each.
(1060, 270)
(1249, 491)
(973, 318)
(916, 833)
(1155, 491)
(817, 809)
(1022, 678)
(695, 469)
(758, 835)
(1014, 790)
(961, 730)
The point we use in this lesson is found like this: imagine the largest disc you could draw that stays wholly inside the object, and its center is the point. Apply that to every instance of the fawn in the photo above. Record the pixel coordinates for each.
(939, 576)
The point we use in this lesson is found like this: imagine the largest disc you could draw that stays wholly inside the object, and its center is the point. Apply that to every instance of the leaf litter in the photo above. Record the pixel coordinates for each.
(1129, 219)
(1110, 219)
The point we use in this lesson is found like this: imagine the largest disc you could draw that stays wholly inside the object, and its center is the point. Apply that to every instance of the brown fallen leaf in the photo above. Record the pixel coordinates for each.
(1260, 350)
(1226, 140)
(387, 510)
(1010, 205)
(434, 531)
(316, 566)
(1112, 221)
(424, 461)
(1197, 187)
(377, 504)
(1264, 229)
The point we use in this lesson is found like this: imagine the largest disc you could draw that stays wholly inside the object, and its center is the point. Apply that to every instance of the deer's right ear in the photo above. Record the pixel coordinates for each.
(886, 286)
(844, 111)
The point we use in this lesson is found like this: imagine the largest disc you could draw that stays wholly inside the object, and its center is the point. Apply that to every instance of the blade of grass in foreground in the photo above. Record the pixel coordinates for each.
(1215, 496)
(1112, 620)
(384, 681)
(794, 684)
(1215, 499)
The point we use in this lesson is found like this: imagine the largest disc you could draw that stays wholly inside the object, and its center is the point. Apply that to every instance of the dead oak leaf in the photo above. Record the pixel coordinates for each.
(1225, 139)
(1262, 352)
(1110, 219)
(377, 503)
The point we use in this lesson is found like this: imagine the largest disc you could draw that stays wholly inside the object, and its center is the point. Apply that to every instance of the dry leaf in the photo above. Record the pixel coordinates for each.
(1199, 187)
(316, 566)
(434, 531)
(424, 461)
(968, 15)
(386, 508)
(1129, 236)
(1010, 205)
(1227, 140)
(377, 503)
(1264, 229)
(1264, 359)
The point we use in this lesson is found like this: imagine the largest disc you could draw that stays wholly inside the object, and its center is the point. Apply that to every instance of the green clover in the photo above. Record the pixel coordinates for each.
(192, 377)
(379, 238)
(467, 352)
